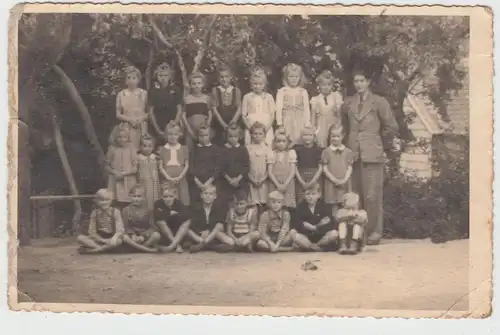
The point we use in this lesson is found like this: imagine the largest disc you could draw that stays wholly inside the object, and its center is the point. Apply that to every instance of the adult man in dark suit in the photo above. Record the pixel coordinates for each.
(369, 121)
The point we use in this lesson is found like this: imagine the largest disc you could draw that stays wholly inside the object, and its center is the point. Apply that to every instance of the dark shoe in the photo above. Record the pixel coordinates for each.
(196, 248)
(343, 248)
(353, 248)
(223, 248)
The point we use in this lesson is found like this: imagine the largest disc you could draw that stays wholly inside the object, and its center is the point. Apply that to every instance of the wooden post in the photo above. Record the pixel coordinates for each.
(24, 185)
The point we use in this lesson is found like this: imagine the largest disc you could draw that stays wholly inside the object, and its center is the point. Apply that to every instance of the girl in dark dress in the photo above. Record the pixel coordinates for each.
(308, 163)
(164, 102)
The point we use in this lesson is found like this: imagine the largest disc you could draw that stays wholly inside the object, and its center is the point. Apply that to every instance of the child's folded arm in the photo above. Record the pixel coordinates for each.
(308, 226)
(342, 215)
(285, 228)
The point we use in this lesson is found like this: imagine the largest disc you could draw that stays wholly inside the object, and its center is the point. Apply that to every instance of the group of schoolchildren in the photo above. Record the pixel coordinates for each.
(228, 173)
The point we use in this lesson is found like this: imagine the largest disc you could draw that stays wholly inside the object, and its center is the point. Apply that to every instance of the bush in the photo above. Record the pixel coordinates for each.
(437, 208)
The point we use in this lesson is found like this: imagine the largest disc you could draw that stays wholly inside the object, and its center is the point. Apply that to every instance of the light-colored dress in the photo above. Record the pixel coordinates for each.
(337, 160)
(292, 110)
(282, 164)
(149, 178)
(259, 108)
(260, 155)
(122, 159)
(174, 158)
(325, 112)
(133, 104)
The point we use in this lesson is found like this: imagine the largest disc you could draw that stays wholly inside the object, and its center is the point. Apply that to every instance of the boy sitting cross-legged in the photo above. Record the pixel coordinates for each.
(242, 222)
(352, 221)
(172, 219)
(274, 226)
(207, 222)
(314, 223)
(106, 228)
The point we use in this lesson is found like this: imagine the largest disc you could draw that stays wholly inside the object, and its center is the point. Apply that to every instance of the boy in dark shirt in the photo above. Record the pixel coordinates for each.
(205, 164)
(314, 223)
(236, 164)
(207, 221)
(172, 220)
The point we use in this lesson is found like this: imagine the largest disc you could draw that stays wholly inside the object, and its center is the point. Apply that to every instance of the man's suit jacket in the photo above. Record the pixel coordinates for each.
(368, 127)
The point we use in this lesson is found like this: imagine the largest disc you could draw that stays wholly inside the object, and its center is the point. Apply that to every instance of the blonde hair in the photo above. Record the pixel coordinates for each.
(195, 75)
(280, 133)
(325, 75)
(308, 129)
(209, 187)
(171, 125)
(103, 194)
(122, 127)
(314, 187)
(147, 137)
(170, 189)
(257, 125)
(132, 70)
(292, 67)
(275, 195)
(137, 189)
(336, 127)
(351, 198)
(258, 73)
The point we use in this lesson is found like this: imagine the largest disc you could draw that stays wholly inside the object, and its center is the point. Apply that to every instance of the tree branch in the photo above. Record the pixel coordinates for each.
(201, 52)
(149, 69)
(84, 113)
(159, 33)
(68, 172)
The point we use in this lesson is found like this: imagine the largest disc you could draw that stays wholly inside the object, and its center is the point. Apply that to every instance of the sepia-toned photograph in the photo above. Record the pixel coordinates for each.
(211, 158)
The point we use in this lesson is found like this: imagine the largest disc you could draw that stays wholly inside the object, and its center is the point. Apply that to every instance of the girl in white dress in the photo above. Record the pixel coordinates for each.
(258, 106)
(325, 107)
(292, 103)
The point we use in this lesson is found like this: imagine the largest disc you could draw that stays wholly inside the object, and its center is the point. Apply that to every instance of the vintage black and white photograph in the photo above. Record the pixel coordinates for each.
(240, 158)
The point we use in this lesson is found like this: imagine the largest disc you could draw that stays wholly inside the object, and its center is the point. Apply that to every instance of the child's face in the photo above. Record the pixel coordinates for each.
(172, 136)
(241, 206)
(293, 79)
(147, 148)
(280, 143)
(258, 135)
(225, 78)
(258, 85)
(132, 80)
(208, 196)
(336, 138)
(204, 138)
(312, 196)
(349, 204)
(276, 205)
(325, 87)
(232, 139)
(361, 83)
(196, 85)
(307, 138)
(104, 203)
(137, 198)
(122, 138)
(169, 198)
(163, 79)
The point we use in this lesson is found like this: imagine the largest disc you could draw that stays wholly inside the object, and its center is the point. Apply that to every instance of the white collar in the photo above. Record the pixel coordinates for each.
(229, 89)
(207, 145)
(151, 156)
(339, 148)
(168, 146)
(232, 146)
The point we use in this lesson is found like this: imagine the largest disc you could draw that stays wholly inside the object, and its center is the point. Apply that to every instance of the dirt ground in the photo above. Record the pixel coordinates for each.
(399, 274)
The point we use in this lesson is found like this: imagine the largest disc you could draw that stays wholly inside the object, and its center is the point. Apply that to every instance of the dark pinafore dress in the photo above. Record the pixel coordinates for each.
(227, 107)
(197, 112)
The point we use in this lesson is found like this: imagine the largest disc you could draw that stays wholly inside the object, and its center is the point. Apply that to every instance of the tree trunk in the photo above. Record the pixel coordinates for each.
(69, 174)
(87, 121)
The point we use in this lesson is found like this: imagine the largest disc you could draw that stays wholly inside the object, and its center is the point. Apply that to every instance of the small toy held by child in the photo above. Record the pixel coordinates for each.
(106, 229)
(172, 220)
(197, 109)
(314, 222)
(292, 102)
(274, 226)
(236, 164)
(352, 221)
(206, 164)
(325, 107)
(309, 169)
(227, 100)
(131, 106)
(242, 223)
(208, 221)
(282, 168)
(138, 222)
(147, 171)
(258, 106)
(174, 163)
(260, 156)
(337, 162)
(122, 165)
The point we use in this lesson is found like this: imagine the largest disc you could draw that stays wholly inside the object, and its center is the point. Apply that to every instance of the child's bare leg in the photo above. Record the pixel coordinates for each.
(249, 238)
(330, 238)
(87, 242)
(224, 238)
(342, 237)
(181, 233)
(194, 237)
(219, 229)
(263, 245)
(137, 246)
(165, 231)
(357, 235)
(302, 241)
(153, 239)
(287, 241)
(107, 247)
